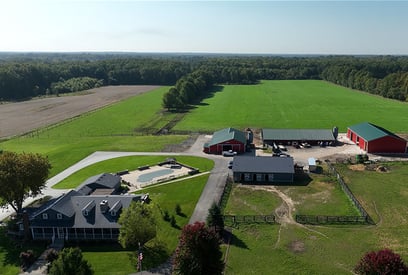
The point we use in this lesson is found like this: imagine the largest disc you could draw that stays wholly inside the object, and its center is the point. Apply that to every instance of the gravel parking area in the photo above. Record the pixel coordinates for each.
(344, 149)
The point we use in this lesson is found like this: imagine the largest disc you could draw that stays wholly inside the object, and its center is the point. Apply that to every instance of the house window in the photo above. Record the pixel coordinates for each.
(248, 177)
(113, 213)
(59, 216)
(259, 177)
(85, 212)
(45, 216)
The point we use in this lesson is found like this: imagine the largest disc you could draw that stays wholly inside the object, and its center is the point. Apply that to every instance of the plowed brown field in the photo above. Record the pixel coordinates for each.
(22, 117)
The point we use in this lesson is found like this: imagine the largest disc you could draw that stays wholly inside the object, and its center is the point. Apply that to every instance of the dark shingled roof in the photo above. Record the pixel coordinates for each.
(225, 135)
(369, 131)
(263, 164)
(61, 205)
(101, 181)
(95, 218)
(298, 134)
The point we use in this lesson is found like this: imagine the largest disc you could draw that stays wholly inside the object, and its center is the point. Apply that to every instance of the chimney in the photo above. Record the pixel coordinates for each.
(104, 206)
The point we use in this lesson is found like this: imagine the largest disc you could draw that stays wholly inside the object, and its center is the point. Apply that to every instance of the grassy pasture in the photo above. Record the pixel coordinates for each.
(322, 196)
(294, 104)
(247, 201)
(294, 249)
(109, 129)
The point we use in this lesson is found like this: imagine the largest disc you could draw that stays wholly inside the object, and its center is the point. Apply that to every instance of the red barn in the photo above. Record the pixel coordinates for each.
(225, 140)
(374, 139)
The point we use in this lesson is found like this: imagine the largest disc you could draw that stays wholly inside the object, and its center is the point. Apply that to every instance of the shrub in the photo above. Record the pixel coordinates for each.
(27, 259)
(384, 262)
(166, 216)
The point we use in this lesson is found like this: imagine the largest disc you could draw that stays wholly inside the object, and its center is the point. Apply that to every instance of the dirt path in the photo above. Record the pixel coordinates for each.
(22, 117)
(284, 213)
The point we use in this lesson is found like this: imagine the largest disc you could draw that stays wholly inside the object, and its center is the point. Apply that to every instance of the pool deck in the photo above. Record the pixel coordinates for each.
(132, 177)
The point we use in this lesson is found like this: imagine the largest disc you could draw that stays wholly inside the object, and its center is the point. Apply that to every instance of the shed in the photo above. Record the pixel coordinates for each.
(375, 139)
(312, 164)
(225, 140)
(249, 169)
(289, 136)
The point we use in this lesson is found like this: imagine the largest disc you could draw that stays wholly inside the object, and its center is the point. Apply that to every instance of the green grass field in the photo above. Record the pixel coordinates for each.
(322, 196)
(185, 193)
(247, 201)
(294, 104)
(292, 249)
(109, 129)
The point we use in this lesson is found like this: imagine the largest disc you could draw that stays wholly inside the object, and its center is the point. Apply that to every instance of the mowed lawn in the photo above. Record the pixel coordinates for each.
(294, 104)
(111, 259)
(293, 249)
(114, 128)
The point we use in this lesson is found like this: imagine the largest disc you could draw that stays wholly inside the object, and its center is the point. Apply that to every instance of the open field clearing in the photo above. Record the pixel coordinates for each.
(294, 104)
(109, 129)
(296, 249)
(21, 117)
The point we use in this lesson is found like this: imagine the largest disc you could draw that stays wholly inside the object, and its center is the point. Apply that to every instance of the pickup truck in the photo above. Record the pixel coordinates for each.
(229, 153)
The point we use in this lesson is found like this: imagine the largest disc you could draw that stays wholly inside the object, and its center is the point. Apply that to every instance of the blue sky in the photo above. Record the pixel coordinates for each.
(273, 27)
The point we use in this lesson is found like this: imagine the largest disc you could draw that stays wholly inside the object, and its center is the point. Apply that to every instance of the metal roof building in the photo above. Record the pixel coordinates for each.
(248, 169)
(226, 139)
(375, 139)
(288, 136)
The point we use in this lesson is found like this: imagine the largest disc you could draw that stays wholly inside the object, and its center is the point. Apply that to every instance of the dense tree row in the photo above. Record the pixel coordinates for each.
(187, 90)
(74, 85)
(22, 80)
(27, 75)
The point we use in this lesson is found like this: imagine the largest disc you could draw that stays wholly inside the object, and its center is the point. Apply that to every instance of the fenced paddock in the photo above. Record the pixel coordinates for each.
(350, 195)
(310, 219)
(248, 219)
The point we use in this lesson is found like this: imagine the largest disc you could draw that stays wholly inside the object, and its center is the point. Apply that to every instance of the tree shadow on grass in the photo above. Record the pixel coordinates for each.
(235, 241)
(12, 248)
(154, 254)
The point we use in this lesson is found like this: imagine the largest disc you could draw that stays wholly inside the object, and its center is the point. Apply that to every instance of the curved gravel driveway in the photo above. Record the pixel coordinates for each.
(211, 192)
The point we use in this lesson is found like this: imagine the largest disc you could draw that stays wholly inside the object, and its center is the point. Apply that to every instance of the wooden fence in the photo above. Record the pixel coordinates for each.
(248, 219)
(310, 219)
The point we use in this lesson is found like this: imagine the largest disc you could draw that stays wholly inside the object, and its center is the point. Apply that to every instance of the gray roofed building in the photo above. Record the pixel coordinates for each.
(248, 169)
(81, 215)
(101, 181)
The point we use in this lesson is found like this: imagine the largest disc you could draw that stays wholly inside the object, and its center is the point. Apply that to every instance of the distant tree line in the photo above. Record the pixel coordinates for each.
(193, 76)
(30, 78)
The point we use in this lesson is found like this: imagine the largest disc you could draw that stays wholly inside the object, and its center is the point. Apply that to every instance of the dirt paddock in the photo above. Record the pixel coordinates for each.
(22, 117)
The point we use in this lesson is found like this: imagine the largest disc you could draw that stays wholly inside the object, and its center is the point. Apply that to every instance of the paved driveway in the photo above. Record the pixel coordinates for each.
(212, 191)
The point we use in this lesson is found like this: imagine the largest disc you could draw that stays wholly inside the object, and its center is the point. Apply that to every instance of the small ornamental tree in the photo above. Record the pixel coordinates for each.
(70, 262)
(198, 251)
(384, 262)
(138, 225)
(214, 218)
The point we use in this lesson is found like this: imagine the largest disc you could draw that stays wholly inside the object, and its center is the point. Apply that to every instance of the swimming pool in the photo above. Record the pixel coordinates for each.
(149, 176)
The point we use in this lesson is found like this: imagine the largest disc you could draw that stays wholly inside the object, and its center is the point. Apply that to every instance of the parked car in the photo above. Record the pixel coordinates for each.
(282, 148)
(306, 145)
(229, 153)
